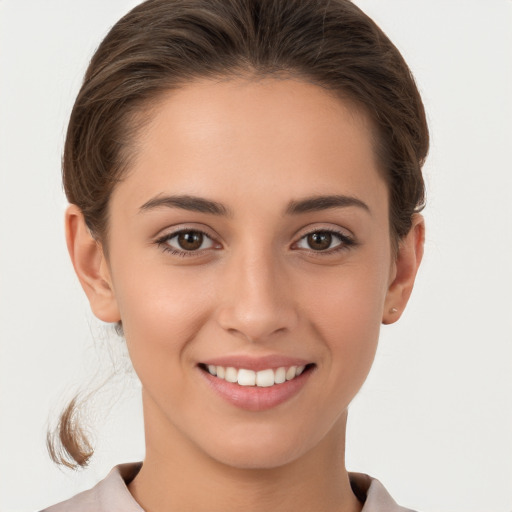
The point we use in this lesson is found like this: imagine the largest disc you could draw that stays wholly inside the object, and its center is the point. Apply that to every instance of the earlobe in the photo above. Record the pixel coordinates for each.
(91, 266)
(410, 254)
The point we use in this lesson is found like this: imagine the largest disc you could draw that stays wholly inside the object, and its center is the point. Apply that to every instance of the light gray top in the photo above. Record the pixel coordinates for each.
(112, 494)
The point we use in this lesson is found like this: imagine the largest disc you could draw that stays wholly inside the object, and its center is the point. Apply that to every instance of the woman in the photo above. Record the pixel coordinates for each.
(244, 180)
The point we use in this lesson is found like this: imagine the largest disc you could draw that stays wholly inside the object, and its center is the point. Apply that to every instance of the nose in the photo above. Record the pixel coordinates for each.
(256, 300)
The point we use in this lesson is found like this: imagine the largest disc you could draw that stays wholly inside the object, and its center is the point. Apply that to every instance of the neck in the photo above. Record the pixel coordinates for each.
(178, 476)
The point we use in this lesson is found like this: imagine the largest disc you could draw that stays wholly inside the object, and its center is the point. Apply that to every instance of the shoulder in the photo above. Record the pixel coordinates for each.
(109, 495)
(373, 494)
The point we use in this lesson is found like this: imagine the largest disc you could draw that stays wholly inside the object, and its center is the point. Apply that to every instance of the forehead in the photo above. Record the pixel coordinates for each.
(244, 135)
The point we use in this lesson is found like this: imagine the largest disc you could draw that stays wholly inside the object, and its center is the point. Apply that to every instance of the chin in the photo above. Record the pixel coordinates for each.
(257, 457)
(263, 448)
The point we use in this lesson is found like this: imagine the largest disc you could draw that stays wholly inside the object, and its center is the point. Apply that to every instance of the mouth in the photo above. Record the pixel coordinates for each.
(264, 378)
(256, 383)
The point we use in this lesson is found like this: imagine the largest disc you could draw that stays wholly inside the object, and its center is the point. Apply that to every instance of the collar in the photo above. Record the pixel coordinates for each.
(112, 494)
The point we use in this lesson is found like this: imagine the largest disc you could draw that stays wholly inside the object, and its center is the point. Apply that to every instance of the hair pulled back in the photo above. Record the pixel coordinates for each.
(163, 44)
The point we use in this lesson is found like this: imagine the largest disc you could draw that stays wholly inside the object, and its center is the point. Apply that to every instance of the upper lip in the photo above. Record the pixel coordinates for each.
(256, 363)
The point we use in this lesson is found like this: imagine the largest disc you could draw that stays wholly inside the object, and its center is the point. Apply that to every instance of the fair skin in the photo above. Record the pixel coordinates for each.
(275, 280)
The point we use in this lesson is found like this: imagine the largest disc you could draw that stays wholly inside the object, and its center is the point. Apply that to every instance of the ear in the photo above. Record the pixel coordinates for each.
(91, 266)
(408, 259)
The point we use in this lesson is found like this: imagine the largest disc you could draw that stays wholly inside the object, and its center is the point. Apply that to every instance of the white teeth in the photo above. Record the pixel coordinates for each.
(265, 378)
(246, 377)
(280, 376)
(291, 372)
(231, 374)
(262, 379)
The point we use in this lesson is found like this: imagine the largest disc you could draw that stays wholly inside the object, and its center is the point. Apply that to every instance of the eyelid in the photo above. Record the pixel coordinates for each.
(346, 238)
(171, 232)
(330, 228)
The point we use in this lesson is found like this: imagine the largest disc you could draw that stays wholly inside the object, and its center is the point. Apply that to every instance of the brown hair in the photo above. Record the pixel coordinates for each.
(163, 44)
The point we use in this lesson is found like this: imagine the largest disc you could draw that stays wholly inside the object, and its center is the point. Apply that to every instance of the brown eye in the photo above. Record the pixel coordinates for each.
(319, 241)
(325, 241)
(186, 242)
(190, 240)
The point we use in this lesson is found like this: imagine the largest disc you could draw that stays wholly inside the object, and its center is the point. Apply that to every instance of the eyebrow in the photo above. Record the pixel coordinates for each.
(295, 207)
(186, 202)
(319, 203)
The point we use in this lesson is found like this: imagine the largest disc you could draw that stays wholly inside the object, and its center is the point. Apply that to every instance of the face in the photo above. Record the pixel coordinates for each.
(251, 233)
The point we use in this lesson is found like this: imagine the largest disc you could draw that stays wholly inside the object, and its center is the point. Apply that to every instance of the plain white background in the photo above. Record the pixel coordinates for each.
(433, 421)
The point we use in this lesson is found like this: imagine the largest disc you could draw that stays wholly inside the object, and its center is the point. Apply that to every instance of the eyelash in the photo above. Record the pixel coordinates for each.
(346, 242)
(162, 242)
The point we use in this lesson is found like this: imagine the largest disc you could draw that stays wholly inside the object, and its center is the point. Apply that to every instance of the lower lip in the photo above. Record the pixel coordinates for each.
(254, 398)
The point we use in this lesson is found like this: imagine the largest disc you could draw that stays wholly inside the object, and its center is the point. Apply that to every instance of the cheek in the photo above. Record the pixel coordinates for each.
(161, 310)
(349, 298)
(346, 313)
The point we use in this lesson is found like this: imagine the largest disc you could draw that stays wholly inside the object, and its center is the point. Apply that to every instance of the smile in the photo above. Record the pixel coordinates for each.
(256, 384)
(264, 378)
